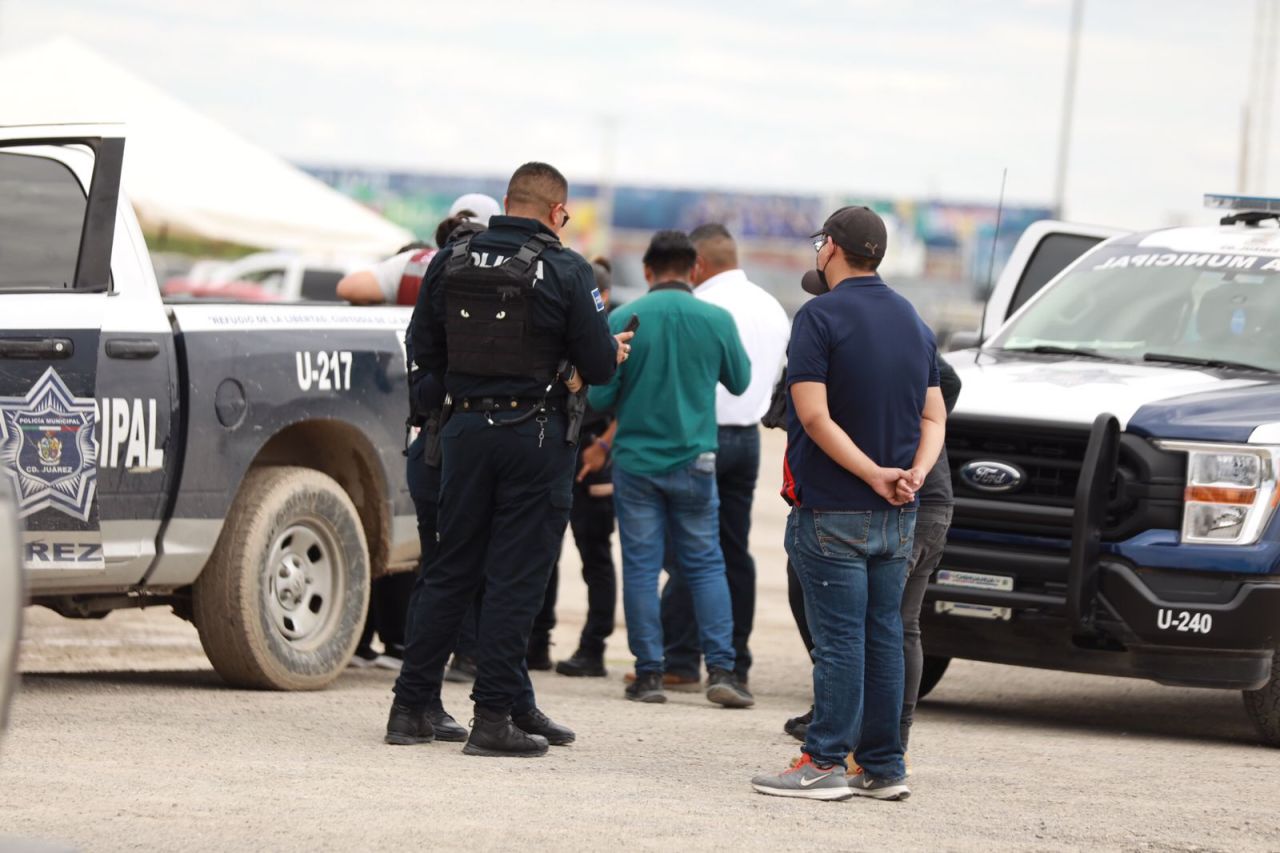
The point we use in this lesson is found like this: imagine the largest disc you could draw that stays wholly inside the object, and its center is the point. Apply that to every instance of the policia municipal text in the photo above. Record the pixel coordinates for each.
(501, 316)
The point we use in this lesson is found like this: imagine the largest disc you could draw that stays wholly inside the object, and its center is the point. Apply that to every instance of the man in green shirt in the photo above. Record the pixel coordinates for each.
(664, 463)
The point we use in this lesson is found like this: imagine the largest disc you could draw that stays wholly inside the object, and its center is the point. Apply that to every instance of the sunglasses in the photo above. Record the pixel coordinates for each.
(563, 210)
(819, 242)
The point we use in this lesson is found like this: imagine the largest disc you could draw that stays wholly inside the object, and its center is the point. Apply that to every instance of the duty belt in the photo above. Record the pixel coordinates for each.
(486, 405)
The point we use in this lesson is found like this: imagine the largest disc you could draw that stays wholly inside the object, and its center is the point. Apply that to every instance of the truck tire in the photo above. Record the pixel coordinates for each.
(934, 668)
(1263, 705)
(281, 603)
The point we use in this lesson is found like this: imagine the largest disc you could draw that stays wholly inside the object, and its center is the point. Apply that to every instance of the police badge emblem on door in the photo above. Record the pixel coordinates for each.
(47, 447)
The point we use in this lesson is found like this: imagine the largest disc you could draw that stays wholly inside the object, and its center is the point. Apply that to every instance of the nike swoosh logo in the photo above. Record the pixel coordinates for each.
(808, 783)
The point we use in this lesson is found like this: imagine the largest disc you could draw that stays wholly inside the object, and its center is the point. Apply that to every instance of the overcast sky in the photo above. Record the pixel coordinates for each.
(899, 97)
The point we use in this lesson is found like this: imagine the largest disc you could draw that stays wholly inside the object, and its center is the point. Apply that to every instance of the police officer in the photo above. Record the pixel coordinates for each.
(497, 315)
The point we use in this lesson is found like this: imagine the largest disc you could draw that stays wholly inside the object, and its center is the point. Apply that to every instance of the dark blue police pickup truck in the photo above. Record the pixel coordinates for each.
(239, 463)
(1115, 459)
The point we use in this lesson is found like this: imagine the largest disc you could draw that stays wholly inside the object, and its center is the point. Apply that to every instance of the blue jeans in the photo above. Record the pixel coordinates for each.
(737, 465)
(683, 505)
(852, 567)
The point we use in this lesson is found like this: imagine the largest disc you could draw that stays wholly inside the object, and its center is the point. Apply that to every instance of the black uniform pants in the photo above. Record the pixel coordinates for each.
(504, 503)
(424, 487)
(592, 522)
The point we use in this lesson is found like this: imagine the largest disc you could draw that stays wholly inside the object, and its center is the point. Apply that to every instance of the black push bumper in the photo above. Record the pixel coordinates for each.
(1175, 627)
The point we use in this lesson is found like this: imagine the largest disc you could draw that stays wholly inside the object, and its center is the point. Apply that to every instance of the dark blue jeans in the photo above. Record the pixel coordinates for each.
(737, 467)
(504, 504)
(852, 567)
(680, 504)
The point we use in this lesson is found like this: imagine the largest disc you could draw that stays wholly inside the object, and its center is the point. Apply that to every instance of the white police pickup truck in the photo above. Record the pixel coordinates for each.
(239, 463)
(1115, 459)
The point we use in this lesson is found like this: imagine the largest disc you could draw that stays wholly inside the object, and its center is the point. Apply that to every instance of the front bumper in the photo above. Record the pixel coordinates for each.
(1090, 612)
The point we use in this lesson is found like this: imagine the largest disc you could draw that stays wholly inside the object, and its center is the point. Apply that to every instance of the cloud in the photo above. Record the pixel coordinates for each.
(902, 98)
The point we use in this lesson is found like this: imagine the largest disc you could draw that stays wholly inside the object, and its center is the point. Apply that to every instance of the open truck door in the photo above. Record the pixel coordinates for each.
(1045, 249)
(87, 362)
(58, 200)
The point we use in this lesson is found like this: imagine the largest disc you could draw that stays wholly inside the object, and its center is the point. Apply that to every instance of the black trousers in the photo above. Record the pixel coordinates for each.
(504, 503)
(795, 597)
(424, 487)
(592, 522)
(737, 467)
(390, 599)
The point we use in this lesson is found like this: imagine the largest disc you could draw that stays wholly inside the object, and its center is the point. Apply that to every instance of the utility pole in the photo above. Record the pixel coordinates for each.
(1270, 18)
(1255, 130)
(608, 180)
(1068, 105)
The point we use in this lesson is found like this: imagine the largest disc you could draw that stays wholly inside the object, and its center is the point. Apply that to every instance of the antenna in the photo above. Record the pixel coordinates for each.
(991, 262)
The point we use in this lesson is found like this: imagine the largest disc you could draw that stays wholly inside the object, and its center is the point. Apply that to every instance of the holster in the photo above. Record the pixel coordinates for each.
(575, 411)
(575, 407)
(436, 419)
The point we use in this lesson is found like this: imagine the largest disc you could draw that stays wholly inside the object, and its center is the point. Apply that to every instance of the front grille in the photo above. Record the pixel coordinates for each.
(1146, 492)
(1050, 458)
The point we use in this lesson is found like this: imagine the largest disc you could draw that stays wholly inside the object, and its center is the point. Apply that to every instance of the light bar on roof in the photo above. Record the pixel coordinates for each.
(1220, 201)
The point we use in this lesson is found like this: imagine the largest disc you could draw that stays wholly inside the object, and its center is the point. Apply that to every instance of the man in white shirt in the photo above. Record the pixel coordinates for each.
(764, 329)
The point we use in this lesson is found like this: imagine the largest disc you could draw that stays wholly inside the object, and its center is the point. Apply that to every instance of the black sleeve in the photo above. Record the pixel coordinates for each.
(950, 382)
(427, 343)
(592, 348)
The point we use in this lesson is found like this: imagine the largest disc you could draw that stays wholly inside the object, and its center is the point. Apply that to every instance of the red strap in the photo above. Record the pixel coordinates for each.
(411, 279)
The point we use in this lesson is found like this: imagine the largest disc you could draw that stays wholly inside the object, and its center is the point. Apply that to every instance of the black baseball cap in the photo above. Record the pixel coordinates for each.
(856, 229)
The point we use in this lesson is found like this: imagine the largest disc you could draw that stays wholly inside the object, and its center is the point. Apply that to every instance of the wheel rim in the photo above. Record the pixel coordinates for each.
(304, 573)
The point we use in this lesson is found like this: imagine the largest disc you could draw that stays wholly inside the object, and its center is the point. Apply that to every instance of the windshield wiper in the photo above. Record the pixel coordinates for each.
(1050, 349)
(1203, 362)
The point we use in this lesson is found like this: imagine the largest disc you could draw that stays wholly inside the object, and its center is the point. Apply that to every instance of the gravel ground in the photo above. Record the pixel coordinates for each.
(123, 738)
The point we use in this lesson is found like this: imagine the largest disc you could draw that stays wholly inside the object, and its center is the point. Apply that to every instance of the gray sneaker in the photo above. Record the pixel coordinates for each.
(807, 780)
(725, 688)
(881, 789)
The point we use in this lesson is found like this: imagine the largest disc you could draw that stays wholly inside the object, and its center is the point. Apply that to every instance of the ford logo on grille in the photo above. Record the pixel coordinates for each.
(986, 476)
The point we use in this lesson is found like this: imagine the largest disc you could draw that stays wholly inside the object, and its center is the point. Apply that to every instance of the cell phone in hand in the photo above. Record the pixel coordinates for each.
(633, 323)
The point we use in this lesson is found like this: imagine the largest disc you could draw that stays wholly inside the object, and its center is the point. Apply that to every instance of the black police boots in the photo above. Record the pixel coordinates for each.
(493, 734)
(407, 726)
(447, 728)
(537, 723)
(583, 665)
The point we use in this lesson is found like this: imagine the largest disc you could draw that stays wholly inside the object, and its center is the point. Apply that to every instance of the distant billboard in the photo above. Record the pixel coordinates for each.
(930, 239)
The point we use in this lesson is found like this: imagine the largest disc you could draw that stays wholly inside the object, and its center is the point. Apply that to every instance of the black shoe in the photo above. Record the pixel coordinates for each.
(724, 688)
(646, 688)
(798, 727)
(539, 657)
(493, 734)
(462, 670)
(583, 665)
(537, 723)
(407, 726)
(446, 727)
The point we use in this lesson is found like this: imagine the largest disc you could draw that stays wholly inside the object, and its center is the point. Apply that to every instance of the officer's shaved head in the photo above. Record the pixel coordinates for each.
(537, 184)
(716, 248)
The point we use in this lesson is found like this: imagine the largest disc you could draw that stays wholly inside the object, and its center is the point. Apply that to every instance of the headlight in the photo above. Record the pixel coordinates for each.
(1231, 491)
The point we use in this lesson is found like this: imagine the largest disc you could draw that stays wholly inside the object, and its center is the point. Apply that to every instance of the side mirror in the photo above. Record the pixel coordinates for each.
(963, 340)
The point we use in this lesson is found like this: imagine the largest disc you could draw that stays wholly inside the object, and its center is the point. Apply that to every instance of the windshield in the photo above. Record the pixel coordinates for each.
(1135, 303)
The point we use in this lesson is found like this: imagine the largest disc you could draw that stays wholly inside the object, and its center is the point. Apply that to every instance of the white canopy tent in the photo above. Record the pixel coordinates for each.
(186, 174)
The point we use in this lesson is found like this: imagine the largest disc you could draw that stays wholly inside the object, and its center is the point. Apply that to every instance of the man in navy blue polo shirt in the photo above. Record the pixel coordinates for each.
(865, 423)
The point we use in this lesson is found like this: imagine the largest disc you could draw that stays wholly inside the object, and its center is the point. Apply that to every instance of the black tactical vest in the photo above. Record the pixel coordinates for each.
(489, 315)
